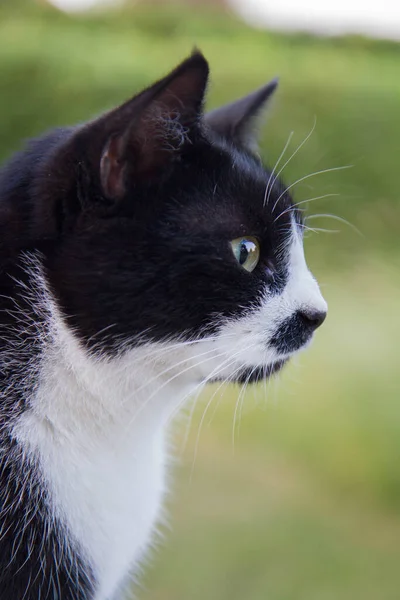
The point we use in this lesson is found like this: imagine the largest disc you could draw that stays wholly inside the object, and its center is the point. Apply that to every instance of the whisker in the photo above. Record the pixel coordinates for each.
(307, 177)
(306, 228)
(275, 167)
(265, 381)
(336, 218)
(158, 352)
(238, 404)
(173, 366)
(226, 380)
(192, 410)
(241, 408)
(292, 156)
(200, 386)
(209, 402)
(218, 401)
(321, 230)
(297, 204)
(190, 418)
(191, 366)
(155, 392)
(315, 198)
(100, 332)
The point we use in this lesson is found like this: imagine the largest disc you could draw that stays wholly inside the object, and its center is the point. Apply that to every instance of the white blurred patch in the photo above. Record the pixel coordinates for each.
(326, 17)
(83, 5)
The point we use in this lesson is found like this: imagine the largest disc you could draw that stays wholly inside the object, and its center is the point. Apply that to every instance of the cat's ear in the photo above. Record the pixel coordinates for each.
(149, 131)
(238, 122)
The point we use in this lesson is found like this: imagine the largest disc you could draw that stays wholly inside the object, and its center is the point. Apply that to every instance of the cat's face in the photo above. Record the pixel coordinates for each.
(169, 228)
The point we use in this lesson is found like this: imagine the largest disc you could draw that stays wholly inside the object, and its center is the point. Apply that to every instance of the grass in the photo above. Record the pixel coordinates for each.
(306, 503)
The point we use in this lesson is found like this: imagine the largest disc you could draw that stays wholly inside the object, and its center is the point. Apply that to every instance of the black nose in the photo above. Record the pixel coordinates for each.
(312, 319)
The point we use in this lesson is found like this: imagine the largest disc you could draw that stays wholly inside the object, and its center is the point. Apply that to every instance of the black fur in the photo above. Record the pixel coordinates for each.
(131, 216)
(292, 334)
(36, 560)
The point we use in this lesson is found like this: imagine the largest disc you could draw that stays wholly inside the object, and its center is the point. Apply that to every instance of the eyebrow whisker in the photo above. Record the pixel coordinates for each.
(267, 189)
(336, 218)
(308, 177)
(297, 204)
(292, 156)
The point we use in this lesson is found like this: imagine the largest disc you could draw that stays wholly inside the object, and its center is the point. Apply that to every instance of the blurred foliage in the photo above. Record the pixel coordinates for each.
(308, 505)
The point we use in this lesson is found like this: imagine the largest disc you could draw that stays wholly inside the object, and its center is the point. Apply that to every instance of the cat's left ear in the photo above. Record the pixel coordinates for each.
(238, 122)
(148, 133)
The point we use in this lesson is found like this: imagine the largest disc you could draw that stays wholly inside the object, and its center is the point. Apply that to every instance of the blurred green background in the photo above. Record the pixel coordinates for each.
(304, 502)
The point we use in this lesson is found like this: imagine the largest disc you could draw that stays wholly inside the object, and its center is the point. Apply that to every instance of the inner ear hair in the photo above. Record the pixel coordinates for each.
(167, 126)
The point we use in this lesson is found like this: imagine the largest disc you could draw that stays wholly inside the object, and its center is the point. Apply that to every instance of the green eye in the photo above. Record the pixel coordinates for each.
(247, 252)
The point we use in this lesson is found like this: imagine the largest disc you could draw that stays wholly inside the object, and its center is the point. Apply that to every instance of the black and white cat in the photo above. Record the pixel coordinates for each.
(142, 255)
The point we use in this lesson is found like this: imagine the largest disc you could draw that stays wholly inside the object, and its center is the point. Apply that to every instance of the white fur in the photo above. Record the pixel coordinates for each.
(98, 425)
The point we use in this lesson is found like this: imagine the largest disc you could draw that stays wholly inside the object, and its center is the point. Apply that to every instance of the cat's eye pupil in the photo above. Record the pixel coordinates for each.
(244, 252)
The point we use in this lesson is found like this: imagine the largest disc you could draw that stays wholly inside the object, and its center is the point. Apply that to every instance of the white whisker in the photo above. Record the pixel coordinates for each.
(231, 361)
(165, 383)
(336, 218)
(239, 401)
(289, 187)
(275, 167)
(297, 204)
(190, 417)
(320, 229)
(174, 366)
(241, 408)
(292, 156)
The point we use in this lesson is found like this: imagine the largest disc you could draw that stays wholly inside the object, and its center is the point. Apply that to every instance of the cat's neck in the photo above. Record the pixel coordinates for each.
(81, 391)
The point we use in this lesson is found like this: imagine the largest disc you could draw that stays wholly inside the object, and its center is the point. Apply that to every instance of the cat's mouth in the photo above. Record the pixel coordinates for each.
(255, 374)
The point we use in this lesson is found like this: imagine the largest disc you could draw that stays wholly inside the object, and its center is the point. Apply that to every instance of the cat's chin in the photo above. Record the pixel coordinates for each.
(254, 375)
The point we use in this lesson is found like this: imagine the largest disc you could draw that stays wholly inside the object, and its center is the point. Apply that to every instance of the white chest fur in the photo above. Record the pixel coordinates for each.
(98, 428)
(108, 491)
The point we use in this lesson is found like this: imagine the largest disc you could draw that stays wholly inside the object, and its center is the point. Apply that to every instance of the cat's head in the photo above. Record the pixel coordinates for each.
(158, 223)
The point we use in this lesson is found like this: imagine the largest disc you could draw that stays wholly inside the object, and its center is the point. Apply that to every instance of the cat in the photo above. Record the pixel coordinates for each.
(142, 255)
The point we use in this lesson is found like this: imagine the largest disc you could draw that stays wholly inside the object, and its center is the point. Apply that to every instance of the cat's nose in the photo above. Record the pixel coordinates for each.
(312, 318)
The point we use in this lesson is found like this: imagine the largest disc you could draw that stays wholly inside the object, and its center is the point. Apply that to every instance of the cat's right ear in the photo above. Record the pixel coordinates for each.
(238, 122)
(149, 132)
